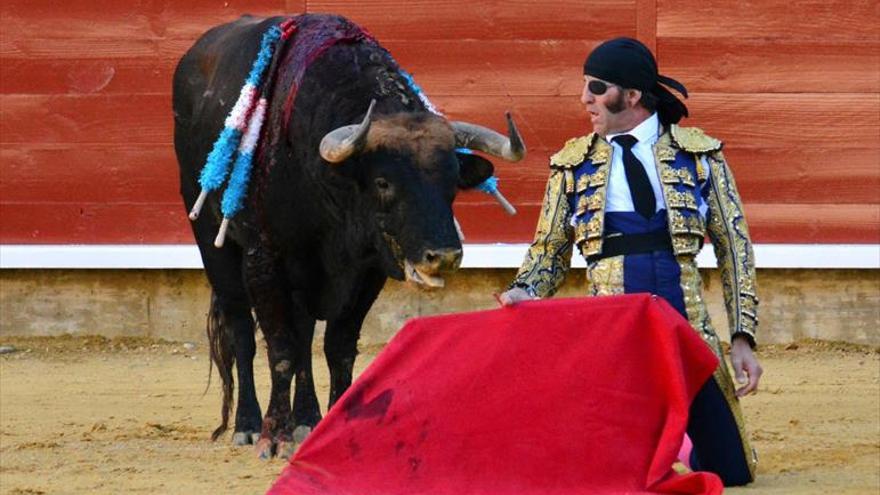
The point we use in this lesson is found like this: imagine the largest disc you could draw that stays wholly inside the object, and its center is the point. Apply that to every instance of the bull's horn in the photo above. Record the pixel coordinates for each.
(339, 144)
(480, 138)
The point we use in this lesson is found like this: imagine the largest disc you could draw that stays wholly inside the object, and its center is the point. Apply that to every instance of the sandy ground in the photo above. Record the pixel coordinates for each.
(91, 415)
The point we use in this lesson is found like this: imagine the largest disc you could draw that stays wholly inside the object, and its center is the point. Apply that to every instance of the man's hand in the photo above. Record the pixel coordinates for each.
(514, 296)
(745, 366)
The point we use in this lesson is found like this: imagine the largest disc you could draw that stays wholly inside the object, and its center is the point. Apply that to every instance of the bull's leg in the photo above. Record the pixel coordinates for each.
(248, 419)
(230, 329)
(284, 325)
(306, 412)
(340, 340)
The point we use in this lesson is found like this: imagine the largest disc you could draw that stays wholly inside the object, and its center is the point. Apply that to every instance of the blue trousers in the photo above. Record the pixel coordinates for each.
(715, 423)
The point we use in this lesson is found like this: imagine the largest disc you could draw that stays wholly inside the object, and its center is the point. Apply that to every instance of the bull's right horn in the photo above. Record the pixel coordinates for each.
(339, 144)
(483, 139)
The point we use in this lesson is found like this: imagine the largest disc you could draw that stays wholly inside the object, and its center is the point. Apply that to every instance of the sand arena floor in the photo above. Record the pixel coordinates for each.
(92, 415)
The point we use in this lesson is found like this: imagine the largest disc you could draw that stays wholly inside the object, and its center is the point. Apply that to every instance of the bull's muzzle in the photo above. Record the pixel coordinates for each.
(427, 271)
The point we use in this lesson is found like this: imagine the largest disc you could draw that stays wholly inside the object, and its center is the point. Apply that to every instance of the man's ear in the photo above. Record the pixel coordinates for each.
(634, 97)
(473, 170)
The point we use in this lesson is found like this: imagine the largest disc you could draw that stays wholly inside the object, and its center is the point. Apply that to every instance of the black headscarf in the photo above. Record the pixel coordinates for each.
(628, 63)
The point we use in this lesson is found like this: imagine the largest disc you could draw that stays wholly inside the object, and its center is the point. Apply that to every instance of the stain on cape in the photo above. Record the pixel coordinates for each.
(356, 409)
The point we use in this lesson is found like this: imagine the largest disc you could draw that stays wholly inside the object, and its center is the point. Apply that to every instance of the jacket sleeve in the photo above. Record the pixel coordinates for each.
(733, 248)
(549, 256)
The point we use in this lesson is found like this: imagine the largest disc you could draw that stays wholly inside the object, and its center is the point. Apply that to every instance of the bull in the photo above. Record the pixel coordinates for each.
(344, 195)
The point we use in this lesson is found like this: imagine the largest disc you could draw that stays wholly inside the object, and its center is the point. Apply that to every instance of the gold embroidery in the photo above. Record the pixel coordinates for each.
(600, 152)
(698, 315)
(581, 205)
(681, 224)
(685, 244)
(583, 183)
(568, 178)
(702, 176)
(676, 199)
(549, 255)
(594, 227)
(693, 139)
(605, 277)
(677, 176)
(573, 153)
(666, 154)
(598, 179)
(733, 249)
(591, 247)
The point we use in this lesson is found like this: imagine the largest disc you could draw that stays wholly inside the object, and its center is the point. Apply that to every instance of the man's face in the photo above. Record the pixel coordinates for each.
(611, 111)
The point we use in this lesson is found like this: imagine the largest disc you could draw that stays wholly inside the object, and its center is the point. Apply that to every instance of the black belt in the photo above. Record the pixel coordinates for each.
(618, 244)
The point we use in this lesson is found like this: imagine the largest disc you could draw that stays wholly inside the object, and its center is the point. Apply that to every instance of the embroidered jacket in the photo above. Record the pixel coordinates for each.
(700, 196)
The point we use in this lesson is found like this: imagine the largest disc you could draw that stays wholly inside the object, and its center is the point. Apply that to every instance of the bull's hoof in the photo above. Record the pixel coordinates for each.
(265, 449)
(300, 433)
(241, 438)
(285, 450)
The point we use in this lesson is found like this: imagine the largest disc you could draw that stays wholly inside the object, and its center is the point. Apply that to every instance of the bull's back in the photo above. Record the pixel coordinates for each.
(207, 82)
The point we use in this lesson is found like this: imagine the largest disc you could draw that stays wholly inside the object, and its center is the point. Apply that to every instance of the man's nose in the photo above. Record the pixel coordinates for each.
(586, 96)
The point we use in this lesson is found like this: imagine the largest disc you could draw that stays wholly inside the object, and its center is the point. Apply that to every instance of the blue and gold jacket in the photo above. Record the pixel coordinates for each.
(700, 196)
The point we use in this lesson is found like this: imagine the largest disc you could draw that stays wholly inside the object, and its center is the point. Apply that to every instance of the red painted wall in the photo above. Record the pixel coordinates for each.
(85, 118)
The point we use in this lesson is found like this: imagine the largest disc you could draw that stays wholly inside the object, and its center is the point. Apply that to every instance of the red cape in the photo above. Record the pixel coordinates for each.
(563, 396)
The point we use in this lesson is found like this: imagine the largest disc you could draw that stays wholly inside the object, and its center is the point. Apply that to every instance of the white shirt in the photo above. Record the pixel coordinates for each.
(617, 194)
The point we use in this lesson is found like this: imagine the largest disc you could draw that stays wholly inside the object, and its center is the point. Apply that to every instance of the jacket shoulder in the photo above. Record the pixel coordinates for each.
(572, 154)
(694, 140)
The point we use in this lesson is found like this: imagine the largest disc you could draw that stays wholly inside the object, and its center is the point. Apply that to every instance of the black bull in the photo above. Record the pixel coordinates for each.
(340, 199)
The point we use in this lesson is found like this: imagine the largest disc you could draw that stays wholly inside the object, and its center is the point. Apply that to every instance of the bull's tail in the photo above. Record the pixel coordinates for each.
(220, 343)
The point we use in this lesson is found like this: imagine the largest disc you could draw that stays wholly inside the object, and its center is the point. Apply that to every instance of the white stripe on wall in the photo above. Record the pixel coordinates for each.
(158, 256)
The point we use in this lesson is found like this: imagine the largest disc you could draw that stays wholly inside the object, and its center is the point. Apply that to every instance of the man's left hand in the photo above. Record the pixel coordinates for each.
(745, 366)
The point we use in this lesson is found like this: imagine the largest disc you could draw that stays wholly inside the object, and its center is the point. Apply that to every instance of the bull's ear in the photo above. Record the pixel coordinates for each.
(473, 170)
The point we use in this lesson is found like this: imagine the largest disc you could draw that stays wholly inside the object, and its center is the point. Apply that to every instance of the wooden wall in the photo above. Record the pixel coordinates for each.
(793, 89)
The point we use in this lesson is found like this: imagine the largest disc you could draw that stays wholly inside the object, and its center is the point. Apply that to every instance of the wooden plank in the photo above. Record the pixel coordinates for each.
(115, 29)
(109, 223)
(487, 20)
(806, 175)
(158, 223)
(770, 121)
(94, 223)
(755, 121)
(493, 67)
(98, 118)
(450, 67)
(763, 122)
(803, 120)
(89, 174)
(121, 173)
(768, 223)
(141, 75)
(728, 65)
(162, 18)
(828, 223)
(807, 20)
(646, 23)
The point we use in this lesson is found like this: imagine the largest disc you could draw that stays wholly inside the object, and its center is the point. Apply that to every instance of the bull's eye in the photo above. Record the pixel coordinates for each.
(382, 185)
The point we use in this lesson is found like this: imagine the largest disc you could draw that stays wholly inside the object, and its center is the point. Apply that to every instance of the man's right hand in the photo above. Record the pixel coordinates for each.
(514, 296)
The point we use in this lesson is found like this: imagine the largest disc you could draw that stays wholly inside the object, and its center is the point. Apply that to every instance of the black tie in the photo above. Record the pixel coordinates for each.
(639, 185)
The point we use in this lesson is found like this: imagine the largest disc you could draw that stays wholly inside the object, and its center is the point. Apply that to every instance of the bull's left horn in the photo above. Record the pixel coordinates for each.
(339, 144)
(480, 138)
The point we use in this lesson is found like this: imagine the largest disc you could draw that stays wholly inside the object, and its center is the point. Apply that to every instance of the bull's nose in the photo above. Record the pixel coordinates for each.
(439, 260)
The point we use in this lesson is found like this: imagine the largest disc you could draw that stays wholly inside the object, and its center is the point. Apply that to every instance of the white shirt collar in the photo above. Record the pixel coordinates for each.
(646, 132)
